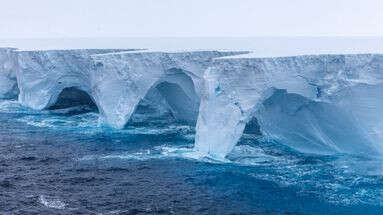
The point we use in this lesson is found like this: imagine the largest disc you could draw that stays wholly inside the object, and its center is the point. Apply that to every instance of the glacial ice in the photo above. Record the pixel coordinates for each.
(129, 76)
(311, 103)
(116, 80)
(8, 67)
(315, 103)
(42, 75)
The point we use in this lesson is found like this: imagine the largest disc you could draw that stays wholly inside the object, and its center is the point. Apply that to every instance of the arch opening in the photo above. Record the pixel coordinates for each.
(172, 99)
(310, 126)
(72, 101)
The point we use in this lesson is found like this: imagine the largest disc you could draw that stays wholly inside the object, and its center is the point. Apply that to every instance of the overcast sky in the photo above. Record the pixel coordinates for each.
(191, 18)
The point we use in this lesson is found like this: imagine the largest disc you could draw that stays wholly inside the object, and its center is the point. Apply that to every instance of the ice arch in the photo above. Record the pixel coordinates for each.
(115, 79)
(44, 94)
(128, 77)
(42, 75)
(315, 126)
(153, 109)
(177, 90)
(234, 90)
(294, 99)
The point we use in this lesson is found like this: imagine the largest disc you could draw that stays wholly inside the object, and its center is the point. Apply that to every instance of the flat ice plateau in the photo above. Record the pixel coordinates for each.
(317, 101)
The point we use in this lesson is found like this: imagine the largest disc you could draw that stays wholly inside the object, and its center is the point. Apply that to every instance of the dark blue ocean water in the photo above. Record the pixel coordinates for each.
(53, 162)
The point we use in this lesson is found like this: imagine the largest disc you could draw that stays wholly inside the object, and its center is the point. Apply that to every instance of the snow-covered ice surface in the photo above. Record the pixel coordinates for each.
(264, 46)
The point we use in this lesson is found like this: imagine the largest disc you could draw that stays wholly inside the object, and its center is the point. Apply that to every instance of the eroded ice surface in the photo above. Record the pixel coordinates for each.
(8, 67)
(313, 103)
(316, 104)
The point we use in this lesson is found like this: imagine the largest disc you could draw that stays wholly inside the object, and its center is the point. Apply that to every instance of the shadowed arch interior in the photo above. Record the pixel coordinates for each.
(182, 106)
(72, 97)
(172, 99)
(252, 127)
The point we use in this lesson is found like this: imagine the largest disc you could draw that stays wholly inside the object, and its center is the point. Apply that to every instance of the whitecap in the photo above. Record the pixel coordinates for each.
(52, 202)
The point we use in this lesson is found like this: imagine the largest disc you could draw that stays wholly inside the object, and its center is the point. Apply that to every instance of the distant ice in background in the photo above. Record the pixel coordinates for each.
(262, 46)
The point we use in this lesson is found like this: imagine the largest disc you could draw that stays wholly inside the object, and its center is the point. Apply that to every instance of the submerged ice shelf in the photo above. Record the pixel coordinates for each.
(316, 103)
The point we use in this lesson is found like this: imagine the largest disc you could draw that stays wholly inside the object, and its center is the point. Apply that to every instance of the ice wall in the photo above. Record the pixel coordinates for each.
(116, 80)
(312, 103)
(128, 77)
(316, 104)
(8, 67)
(42, 75)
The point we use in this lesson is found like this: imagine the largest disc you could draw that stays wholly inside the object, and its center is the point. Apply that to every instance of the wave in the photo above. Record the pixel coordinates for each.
(337, 179)
(52, 202)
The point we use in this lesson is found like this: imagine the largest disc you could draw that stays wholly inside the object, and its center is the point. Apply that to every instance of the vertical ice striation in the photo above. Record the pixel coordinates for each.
(8, 67)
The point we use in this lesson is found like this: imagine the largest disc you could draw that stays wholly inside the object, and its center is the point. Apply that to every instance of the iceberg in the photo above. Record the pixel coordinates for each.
(313, 103)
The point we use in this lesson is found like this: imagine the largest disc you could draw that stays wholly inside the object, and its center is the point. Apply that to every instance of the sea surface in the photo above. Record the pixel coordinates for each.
(64, 162)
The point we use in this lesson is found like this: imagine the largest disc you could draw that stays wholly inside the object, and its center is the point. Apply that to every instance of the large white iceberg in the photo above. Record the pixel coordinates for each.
(315, 103)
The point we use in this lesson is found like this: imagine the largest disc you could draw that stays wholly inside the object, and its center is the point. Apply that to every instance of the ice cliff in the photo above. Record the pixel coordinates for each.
(8, 67)
(316, 104)
(42, 75)
(128, 77)
(115, 80)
